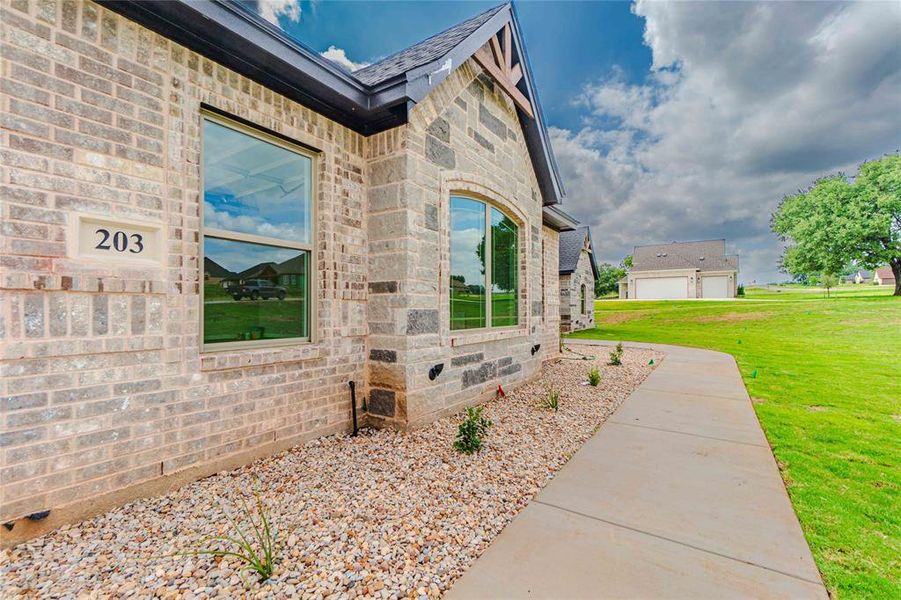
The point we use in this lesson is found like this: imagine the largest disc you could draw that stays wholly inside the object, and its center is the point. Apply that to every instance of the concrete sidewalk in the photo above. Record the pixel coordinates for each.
(676, 496)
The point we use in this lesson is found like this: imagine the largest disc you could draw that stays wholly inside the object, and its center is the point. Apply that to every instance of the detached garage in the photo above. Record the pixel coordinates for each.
(668, 288)
(681, 270)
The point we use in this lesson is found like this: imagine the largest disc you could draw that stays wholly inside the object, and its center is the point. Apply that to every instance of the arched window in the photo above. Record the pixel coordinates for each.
(484, 273)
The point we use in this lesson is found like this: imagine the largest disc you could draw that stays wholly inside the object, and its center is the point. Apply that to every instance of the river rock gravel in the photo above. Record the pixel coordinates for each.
(381, 515)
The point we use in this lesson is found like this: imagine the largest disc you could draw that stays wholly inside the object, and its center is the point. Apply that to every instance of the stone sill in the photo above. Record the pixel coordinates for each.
(237, 359)
(480, 337)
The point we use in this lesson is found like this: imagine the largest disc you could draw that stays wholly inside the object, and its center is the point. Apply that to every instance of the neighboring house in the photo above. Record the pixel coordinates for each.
(293, 272)
(884, 276)
(578, 272)
(681, 270)
(265, 270)
(859, 276)
(213, 272)
(417, 198)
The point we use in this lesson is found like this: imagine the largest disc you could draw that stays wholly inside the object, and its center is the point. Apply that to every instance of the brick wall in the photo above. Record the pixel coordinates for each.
(104, 392)
(463, 138)
(103, 384)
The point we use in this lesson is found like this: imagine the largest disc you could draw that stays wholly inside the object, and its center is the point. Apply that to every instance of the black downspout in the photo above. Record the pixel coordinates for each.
(353, 403)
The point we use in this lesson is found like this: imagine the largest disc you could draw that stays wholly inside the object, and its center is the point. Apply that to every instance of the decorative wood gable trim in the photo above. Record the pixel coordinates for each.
(497, 58)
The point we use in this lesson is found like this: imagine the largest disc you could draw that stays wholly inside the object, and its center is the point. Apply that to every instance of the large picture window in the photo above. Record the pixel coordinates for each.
(484, 256)
(257, 232)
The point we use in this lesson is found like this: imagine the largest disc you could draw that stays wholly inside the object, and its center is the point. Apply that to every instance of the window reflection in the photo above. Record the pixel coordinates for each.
(472, 248)
(254, 186)
(467, 279)
(253, 292)
(504, 271)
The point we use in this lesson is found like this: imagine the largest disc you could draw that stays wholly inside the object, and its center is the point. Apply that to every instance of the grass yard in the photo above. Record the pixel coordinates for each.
(825, 375)
(228, 320)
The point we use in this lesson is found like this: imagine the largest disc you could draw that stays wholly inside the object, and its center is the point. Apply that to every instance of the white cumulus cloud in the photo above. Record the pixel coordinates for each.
(744, 103)
(271, 10)
(338, 55)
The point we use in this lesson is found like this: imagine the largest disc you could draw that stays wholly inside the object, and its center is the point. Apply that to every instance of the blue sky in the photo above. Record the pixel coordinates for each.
(674, 120)
(567, 42)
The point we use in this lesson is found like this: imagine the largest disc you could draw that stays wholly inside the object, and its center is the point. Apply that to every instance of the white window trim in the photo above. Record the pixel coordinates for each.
(312, 279)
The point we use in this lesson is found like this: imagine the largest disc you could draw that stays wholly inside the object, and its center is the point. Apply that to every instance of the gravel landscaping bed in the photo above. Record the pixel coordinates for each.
(384, 514)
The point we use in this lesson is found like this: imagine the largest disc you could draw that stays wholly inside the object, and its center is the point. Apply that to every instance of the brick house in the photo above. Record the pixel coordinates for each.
(578, 272)
(151, 149)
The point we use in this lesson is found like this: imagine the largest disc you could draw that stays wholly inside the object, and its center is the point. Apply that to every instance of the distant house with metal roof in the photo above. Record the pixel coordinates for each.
(698, 269)
(578, 273)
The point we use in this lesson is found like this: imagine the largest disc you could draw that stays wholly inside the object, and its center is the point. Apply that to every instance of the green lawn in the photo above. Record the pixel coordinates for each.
(826, 378)
(228, 320)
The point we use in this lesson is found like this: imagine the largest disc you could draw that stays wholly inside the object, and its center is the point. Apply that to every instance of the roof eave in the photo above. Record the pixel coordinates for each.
(594, 264)
(556, 219)
(253, 47)
(230, 35)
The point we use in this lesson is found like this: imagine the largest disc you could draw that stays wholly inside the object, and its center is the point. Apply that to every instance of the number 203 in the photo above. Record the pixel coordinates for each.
(120, 241)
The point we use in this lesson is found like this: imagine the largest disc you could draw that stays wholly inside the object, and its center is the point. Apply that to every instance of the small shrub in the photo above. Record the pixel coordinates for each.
(594, 377)
(616, 357)
(741, 290)
(552, 400)
(471, 430)
(256, 550)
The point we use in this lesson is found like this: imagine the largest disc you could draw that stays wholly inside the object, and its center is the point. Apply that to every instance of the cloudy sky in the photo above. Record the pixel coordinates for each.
(674, 121)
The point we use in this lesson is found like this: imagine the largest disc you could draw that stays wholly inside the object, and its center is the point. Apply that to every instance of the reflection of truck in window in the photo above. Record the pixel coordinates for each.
(256, 289)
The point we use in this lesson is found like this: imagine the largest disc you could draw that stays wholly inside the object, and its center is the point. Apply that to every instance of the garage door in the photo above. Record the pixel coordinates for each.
(715, 287)
(661, 288)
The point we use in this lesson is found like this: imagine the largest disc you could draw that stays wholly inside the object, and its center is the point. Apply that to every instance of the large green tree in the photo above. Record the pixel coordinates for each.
(609, 276)
(608, 279)
(840, 220)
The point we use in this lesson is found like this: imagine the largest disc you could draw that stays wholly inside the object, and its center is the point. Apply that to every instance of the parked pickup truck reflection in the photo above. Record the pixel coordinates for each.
(256, 289)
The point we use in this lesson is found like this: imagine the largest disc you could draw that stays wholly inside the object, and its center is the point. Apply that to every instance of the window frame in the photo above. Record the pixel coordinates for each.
(583, 296)
(520, 250)
(222, 234)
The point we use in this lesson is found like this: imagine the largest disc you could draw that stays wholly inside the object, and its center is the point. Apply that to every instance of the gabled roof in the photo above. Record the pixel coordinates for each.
(292, 265)
(704, 255)
(571, 244)
(254, 271)
(373, 99)
(426, 51)
(214, 269)
(885, 273)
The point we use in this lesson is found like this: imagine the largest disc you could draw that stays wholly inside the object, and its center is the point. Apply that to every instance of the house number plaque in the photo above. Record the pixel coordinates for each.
(108, 239)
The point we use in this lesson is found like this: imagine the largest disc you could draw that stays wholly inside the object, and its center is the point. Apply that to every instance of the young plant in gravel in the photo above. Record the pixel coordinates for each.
(552, 400)
(594, 377)
(471, 430)
(616, 357)
(256, 551)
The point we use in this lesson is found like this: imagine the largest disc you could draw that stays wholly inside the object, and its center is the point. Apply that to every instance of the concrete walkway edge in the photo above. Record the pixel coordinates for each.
(677, 495)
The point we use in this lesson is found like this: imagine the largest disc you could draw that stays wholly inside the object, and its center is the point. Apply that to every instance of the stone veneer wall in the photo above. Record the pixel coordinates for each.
(103, 385)
(463, 138)
(571, 316)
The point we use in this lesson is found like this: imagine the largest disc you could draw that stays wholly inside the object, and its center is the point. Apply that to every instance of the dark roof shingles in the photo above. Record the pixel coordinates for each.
(571, 244)
(424, 52)
(705, 255)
